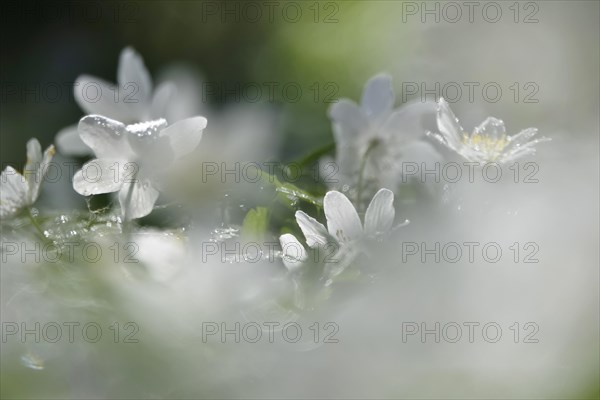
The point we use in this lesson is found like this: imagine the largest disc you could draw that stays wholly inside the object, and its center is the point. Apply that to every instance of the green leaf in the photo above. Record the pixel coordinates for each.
(315, 155)
(255, 223)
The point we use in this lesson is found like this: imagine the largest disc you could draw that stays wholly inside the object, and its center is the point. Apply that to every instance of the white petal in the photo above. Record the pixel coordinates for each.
(410, 122)
(523, 136)
(105, 136)
(185, 135)
(492, 128)
(36, 167)
(13, 192)
(189, 99)
(380, 213)
(69, 142)
(378, 97)
(347, 160)
(99, 176)
(137, 198)
(521, 145)
(134, 79)
(348, 122)
(163, 96)
(97, 96)
(343, 222)
(293, 253)
(341, 259)
(448, 125)
(314, 232)
(143, 138)
(34, 160)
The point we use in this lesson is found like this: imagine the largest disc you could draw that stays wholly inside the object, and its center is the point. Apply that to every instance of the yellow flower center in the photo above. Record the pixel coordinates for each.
(486, 144)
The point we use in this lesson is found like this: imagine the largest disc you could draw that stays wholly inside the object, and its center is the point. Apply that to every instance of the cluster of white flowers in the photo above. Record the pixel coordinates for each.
(129, 158)
(274, 250)
(372, 140)
(135, 144)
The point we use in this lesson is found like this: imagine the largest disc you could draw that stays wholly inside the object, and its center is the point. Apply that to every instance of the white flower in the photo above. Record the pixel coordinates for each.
(487, 143)
(130, 158)
(344, 231)
(372, 138)
(20, 191)
(131, 100)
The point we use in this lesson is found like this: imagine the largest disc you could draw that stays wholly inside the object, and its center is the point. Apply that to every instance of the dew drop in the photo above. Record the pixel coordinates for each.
(221, 234)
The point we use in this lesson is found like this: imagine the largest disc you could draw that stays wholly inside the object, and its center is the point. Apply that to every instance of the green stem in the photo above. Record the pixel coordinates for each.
(127, 224)
(289, 189)
(35, 224)
(363, 164)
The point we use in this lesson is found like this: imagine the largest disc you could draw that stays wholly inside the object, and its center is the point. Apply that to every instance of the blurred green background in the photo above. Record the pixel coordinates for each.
(304, 43)
(45, 44)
